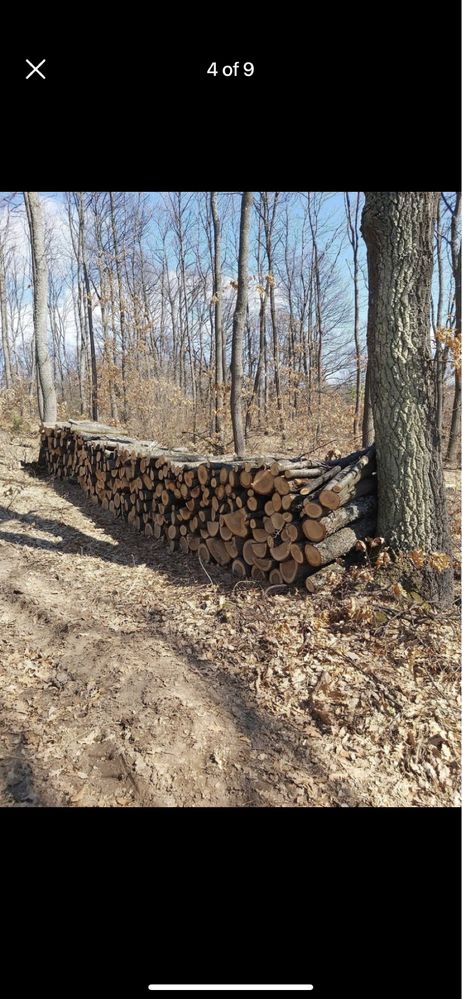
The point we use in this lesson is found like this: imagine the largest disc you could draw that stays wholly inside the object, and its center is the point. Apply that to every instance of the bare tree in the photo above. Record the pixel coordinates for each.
(218, 317)
(88, 304)
(454, 433)
(239, 324)
(47, 393)
(352, 214)
(398, 231)
(438, 323)
(267, 211)
(122, 308)
(4, 319)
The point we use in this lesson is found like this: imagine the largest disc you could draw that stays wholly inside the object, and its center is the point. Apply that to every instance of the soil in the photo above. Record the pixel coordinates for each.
(133, 677)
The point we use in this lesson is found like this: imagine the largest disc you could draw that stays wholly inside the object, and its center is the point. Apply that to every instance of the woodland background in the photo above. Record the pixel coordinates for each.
(133, 317)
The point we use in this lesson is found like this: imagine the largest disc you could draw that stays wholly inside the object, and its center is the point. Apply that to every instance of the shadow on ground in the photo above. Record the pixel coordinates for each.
(282, 742)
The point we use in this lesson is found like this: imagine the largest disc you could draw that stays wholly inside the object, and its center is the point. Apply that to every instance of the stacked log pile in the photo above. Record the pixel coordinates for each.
(268, 517)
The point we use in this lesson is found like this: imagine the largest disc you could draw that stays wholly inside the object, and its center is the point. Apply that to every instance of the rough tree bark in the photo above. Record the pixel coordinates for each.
(454, 433)
(218, 317)
(353, 236)
(4, 321)
(46, 386)
(239, 324)
(94, 370)
(268, 216)
(398, 230)
(122, 314)
(438, 324)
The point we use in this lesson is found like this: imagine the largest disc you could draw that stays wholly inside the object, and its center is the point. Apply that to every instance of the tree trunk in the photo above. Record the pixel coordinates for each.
(218, 318)
(454, 433)
(123, 345)
(4, 322)
(353, 235)
(398, 229)
(239, 324)
(91, 334)
(40, 273)
(439, 370)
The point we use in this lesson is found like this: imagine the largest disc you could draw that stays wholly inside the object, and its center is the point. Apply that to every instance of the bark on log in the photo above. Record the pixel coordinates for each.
(333, 500)
(317, 530)
(339, 544)
(325, 578)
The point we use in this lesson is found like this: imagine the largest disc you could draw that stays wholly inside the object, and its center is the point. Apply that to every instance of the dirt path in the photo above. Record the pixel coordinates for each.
(96, 708)
(105, 698)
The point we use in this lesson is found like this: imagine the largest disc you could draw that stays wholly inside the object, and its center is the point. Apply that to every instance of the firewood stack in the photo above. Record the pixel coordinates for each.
(267, 517)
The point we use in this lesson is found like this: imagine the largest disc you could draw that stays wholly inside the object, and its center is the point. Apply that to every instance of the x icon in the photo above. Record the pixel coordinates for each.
(36, 69)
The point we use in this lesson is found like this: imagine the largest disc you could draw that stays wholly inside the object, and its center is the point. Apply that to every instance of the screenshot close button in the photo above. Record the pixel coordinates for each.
(35, 70)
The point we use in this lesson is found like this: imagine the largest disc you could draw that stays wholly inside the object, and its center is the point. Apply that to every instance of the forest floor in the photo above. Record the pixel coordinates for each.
(129, 678)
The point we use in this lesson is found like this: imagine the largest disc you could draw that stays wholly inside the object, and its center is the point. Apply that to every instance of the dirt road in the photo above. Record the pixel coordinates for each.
(109, 697)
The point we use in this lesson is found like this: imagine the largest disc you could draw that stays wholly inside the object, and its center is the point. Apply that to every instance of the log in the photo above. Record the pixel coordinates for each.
(339, 544)
(263, 482)
(277, 521)
(356, 471)
(325, 578)
(259, 548)
(234, 547)
(312, 509)
(281, 552)
(257, 574)
(333, 500)
(292, 532)
(281, 485)
(292, 571)
(317, 530)
(248, 552)
(259, 534)
(302, 473)
(297, 552)
(237, 523)
(225, 532)
(265, 564)
(217, 549)
(239, 568)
